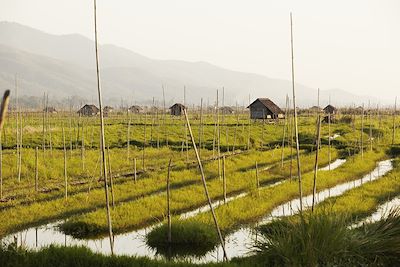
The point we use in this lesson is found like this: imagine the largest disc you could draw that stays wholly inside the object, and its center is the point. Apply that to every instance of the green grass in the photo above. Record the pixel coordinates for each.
(237, 213)
(152, 209)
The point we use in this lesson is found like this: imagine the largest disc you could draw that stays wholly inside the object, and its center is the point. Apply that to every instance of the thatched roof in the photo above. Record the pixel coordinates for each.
(269, 105)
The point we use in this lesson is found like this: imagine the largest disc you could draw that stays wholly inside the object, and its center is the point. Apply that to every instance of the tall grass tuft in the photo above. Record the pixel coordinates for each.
(324, 239)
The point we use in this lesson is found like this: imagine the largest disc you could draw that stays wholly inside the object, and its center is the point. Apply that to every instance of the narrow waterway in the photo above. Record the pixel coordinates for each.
(239, 243)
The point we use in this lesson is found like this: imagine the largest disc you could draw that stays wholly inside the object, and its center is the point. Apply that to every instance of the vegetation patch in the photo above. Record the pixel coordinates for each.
(187, 238)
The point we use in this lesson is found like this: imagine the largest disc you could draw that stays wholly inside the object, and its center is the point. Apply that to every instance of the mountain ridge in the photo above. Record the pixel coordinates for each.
(130, 76)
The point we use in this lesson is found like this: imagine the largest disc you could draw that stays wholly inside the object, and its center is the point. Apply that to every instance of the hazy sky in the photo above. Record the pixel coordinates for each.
(348, 44)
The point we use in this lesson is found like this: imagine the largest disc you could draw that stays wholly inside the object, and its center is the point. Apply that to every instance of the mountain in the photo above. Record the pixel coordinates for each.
(64, 66)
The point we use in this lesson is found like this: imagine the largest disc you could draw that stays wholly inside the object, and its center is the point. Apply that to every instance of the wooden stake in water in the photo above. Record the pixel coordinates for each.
(168, 203)
(203, 179)
(296, 130)
(102, 135)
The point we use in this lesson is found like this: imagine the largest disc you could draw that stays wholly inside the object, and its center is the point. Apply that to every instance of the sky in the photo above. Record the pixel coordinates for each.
(351, 45)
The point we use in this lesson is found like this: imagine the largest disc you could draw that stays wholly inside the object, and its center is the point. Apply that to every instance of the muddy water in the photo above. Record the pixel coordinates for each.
(237, 244)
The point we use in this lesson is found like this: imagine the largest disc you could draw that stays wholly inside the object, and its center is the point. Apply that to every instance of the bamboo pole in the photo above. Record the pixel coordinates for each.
(36, 169)
(394, 121)
(362, 132)
(284, 130)
(144, 142)
(111, 176)
(3, 111)
(201, 125)
(102, 143)
(224, 177)
(205, 186)
(168, 203)
(257, 177)
(1, 165)
(296, 130)
(317, 147)
(134, 170)
(65, 166)
(370, 126)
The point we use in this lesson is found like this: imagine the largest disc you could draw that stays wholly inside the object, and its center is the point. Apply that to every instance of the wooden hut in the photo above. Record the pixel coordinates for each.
(330, 112)
(329, 109)
(50, 110)
(108, 109)
(264, 108)
(88, 110)
(135, 109)
(226, 110)
(177, 109)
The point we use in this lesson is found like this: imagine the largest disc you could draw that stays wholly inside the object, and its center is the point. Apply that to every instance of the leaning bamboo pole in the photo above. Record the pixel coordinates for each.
(102, 133)
(205, 185)
(296, 129)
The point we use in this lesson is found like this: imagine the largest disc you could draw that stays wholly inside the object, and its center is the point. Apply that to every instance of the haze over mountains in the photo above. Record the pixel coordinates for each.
(64, 66)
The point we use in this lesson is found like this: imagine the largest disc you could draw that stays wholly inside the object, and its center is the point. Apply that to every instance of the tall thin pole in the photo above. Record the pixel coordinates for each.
(65, 165)
(394, 121)
(203, 179)
(36, 169)
(316, 161)
(296, 130)
(362, 132)
(102, 143)
(3, 111)
(224, 177)
(168, 203)
(284, 130)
